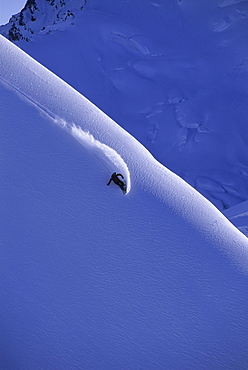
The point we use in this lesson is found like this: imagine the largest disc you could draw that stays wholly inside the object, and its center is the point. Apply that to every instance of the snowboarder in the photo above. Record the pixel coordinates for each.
(117, 181)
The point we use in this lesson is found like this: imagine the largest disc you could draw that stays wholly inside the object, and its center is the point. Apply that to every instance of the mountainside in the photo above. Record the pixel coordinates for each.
(92, 278)
(41, 17)
(173, 74)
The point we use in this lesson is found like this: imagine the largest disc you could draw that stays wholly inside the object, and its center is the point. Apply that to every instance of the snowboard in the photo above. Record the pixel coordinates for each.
(124, 189)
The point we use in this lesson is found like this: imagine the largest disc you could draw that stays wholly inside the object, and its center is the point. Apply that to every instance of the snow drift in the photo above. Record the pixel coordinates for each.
(90, 278)
(172, 73)
(108, 156)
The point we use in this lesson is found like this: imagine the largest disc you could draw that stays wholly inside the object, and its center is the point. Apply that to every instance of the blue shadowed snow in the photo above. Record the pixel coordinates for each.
(172, 73)
(90, 278)
(238, 215)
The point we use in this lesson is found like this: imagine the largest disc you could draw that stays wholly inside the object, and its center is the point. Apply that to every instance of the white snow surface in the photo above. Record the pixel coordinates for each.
(104, 153)
(94, 279)
(172, 73)
(238, 215)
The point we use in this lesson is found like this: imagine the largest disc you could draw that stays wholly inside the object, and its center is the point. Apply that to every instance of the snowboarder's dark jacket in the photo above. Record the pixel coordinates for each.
(116, 179)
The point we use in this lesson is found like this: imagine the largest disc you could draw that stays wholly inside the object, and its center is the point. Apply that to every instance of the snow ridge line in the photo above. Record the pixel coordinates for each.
(104, 153)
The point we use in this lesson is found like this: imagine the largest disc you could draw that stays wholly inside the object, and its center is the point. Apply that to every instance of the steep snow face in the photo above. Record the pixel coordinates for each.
(238, 215)
(68, 108)
(105, 154)
(41, 16)
(172, 73)
(90, 278)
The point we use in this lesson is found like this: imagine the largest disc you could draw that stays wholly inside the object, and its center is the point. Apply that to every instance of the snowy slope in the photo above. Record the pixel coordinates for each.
(172, 73)
(238, 215)
(91, 278)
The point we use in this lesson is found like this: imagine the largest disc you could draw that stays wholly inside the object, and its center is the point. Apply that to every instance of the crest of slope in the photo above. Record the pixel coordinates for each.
(180, 92)
(103, 278)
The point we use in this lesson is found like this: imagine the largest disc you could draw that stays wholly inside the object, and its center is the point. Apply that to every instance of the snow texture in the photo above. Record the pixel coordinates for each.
(238, 215)
(172, 73)
(110, 159)
(93, 279)
(104, 153)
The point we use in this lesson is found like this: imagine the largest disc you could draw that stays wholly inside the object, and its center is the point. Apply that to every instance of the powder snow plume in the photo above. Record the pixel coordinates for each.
(108, 156)
(112, 160)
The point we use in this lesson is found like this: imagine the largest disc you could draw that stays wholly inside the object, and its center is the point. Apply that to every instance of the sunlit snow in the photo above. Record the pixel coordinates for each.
(91, 278)
(154, 279)
(172, 73)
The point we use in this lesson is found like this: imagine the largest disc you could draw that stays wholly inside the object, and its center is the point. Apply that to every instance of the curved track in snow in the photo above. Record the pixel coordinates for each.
(67, 107)
(104, 153)
(93, 279)
(109, 157)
